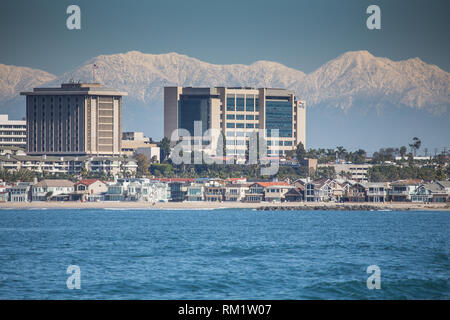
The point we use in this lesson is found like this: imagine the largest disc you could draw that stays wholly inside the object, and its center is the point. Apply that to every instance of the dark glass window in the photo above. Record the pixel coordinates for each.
(230, 103)
(240, 104)
(250, 103)
(191, 110)
(279, 116)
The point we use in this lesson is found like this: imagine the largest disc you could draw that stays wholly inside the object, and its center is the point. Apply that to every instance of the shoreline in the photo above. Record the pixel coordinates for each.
(228, 205)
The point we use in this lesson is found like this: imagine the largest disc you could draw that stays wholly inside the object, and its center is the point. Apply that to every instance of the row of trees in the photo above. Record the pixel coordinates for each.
(392, 173)
(328, 155)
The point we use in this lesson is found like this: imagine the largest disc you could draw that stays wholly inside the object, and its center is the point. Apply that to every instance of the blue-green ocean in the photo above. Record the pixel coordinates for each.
(223, 254)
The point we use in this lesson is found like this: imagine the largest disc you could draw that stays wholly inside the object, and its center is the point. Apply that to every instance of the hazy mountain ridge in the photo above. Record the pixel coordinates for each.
(355, 82)
(14, 79)
(143, 76)
(359, 76)
(353, 76)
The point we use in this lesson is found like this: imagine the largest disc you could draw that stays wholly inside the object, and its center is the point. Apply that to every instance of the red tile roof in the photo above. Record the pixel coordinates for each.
(272, 183)
(87, 182)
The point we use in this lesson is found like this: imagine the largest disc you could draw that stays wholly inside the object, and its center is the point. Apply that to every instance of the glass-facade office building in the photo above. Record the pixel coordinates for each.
(238, 112)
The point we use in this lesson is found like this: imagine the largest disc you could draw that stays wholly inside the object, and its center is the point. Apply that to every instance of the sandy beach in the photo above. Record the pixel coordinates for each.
(214, 205)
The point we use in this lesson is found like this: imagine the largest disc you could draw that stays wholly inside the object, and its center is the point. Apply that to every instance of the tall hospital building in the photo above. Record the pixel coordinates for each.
(76, 119)
(237, 112)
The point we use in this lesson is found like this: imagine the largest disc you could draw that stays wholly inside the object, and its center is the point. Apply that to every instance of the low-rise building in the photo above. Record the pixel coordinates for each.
(295, 195)
(319, 190)
(355, 193)
(138, 190)
(20, 192)
(356, 172)
(236, 191)
(68, 164)
(402, 190)
(214, 192)
(438, 191)
(377, 191)
(48, 188)
(195, 192)
(13, 133)
(89, 190)
(276, 192)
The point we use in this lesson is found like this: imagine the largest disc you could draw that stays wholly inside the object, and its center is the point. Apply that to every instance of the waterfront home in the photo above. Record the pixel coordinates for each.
(376, 191)
(195, 192)
(117, 191)
(236, 191)
(402, 190)
(138, 190)
(4, 195)
(50, 188)
(255, 193)
(178, 191)
(295, 195)
(438, 191)
(275, 192)
(177, 187)
(319, 190)
(20, 192)
(89, 190)
(355, 193)
(267, 191)
(214, 192)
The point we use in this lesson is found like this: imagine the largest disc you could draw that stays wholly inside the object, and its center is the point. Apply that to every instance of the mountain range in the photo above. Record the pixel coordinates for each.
(356, 100)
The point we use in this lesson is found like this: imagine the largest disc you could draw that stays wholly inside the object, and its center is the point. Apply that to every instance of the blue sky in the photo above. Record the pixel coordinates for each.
(299, 34)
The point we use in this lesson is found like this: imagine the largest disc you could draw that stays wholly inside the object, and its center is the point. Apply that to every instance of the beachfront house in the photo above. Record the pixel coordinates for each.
(235, 191)
(376, 191)
(355, 193)
(89, 190)
(19, 192)
(438, 191)
(319, 190)
(195, 192)
(295, 195)
(402, 190)
(51, 189)
(276, 191)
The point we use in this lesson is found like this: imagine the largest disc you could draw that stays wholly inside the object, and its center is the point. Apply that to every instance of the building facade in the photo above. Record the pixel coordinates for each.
(76, 119)
(13, 133)
(237, 113)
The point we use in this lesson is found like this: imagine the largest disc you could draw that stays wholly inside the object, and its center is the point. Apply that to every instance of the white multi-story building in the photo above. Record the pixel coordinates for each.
(13, 133)
(236, 113)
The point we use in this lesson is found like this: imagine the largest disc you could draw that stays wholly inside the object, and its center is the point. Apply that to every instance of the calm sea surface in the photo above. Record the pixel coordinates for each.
(223, 254)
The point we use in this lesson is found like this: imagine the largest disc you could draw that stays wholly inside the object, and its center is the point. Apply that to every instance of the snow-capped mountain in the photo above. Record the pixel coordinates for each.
(355, 87)
(144, 76)
(14, 79)
(357, 78)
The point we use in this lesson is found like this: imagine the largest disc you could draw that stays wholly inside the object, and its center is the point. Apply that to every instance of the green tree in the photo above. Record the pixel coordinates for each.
(300, 152)
(415, 145)
(341, 152)
(164, 149)
(403, 151)
(143, 164)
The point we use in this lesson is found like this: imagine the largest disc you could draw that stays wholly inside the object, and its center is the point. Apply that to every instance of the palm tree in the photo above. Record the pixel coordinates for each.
(341, 152)
(415, 145)
(403, 152)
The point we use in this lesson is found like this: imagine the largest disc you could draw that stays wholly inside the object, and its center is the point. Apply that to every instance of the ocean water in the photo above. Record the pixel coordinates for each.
(223, 254)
